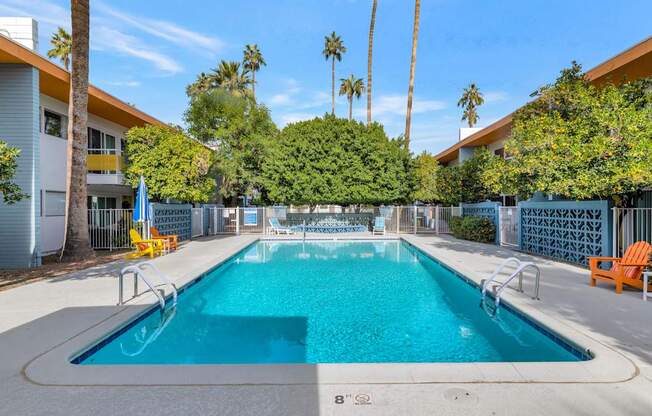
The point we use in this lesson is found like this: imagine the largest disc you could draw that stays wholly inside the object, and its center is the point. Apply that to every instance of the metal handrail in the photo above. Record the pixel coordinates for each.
(518, 272)
(173, 288)
(500, 268)
(138, 271)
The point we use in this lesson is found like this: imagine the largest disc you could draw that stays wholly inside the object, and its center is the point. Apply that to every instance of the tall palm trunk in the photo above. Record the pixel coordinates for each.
(413, 62)
(76, 243)
(333, 87)
(350, 108)
(369, 58)
(253, 84)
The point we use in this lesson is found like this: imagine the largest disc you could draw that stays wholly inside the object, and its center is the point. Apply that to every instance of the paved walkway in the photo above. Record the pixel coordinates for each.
(38, 316)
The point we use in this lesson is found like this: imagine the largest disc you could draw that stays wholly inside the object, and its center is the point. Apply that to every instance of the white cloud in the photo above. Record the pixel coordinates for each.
(294, 117)
(166, 30)
(44, 12)
(124, 83)
(396, 105)
(109, 39)
(281, 99)
(495, 96)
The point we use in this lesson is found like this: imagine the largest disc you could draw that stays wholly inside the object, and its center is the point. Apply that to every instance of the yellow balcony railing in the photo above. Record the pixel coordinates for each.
(102, 162)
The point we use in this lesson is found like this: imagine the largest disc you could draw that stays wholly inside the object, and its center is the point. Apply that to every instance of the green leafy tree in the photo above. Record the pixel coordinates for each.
(579, 141)
(450, 185)
(253, 60)
(204, 83)
(333, 49)
(471, 99)
(173, 165)
(427, 173)
(11, 193)
(232, 77)
(332, 160)
(61, 42)
(351, 87)
(241, 132)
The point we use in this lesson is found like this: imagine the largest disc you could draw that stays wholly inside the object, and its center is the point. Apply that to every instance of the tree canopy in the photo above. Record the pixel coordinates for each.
(579, 141)
(332, 160)
(11, 193)
(241, 132)
(173, 165)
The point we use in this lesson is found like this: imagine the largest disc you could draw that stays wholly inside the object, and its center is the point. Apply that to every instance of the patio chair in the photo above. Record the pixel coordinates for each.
(277, 228)
(169, 239)
(379, 226)
(143, 247)
(626, 270)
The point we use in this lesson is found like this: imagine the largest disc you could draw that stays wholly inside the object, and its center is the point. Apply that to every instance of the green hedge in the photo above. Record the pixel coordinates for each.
(473, 228)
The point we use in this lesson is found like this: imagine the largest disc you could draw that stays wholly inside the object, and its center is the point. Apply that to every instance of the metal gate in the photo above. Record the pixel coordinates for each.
(629, 226)
(197, 222)
(508, 221)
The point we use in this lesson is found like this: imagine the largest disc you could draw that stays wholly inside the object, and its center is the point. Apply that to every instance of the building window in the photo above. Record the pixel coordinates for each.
(55, 204)
(101, 202)
(54, 124)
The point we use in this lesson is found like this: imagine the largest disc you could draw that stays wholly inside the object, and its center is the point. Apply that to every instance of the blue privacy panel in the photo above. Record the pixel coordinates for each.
(566, 230)
(488, 210)
(173, 219)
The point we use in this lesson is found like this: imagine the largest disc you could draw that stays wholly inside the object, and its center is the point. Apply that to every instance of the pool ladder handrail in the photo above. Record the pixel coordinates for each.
(520, 267)
(138, 270)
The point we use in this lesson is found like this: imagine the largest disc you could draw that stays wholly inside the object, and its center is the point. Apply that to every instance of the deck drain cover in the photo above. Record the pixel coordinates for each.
(460, 396)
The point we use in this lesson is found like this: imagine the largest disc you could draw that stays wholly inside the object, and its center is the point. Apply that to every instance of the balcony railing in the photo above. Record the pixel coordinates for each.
(105, 161)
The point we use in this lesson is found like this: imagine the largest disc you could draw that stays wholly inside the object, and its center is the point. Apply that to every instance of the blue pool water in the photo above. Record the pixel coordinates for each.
(328, 302)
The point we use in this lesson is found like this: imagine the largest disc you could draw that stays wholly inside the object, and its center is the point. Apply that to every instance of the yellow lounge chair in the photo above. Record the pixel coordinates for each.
(624, 271)
(144, 247)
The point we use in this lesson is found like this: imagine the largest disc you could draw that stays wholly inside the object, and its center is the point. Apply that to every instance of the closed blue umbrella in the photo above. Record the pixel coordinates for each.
(141, 207)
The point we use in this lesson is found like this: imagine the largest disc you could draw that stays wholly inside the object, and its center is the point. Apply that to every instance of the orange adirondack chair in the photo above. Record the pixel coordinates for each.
(624, 271)
(170, 239)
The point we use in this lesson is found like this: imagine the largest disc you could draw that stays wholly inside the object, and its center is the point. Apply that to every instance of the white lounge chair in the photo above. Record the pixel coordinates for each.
(277, 228)
(379, 226)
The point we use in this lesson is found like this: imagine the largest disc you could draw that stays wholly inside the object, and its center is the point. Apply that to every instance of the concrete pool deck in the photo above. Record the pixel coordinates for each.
(38, 317)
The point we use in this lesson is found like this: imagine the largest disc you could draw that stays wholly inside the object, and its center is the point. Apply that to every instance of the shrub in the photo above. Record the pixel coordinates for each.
(472, 228)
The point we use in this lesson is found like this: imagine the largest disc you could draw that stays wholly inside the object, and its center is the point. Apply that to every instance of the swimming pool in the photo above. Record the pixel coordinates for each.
(281, 302)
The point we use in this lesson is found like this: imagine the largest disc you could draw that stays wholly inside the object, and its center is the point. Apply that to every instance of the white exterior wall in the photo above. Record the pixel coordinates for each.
(23, 30)
(53, 172)
(496, 145)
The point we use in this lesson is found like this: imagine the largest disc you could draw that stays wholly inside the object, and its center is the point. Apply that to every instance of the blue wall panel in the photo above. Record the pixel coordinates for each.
(173, 219)
(20, 234)
(566, 230)
(488, 210)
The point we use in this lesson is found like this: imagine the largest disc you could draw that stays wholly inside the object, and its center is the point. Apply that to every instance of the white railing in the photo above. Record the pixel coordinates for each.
(108, 229)
(629, 226)
(508, 225)
(409, 219)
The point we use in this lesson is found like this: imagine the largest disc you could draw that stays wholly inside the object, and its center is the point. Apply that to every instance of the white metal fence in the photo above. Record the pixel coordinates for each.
(108, 229)
(508, 220)
(629, 226)
(398, 219)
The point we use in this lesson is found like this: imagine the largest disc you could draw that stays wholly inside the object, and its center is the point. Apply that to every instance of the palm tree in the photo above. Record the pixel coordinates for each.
(413, 62)
(333, 49)
(76, 242)
(229, 76)
(61, 42)
(369, 56)
(203, 84)
(351, 86)
(253, 60)
(471, 99)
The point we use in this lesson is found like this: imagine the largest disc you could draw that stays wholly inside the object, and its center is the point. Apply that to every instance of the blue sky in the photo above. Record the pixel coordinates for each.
(146, 55)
